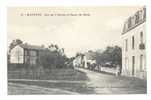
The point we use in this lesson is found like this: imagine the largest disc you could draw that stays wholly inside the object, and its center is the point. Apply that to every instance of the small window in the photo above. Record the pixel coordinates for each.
(141, 37)
(144, 13)
(126, 45)
(129, 22)
(137, 17)
(133, 42)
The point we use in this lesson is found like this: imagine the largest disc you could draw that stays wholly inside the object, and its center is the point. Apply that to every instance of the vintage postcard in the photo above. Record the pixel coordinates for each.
(76, 50)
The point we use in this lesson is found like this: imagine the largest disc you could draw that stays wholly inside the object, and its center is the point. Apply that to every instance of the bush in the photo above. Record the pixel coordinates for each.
(53, 59)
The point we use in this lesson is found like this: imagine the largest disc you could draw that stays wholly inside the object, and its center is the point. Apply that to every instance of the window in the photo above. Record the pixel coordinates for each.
(126, 25)
(141, 15)
(141, 62)
(141, 45)
(26, 52)
(137, 18)
(141, 37)
(133, 20)
(129, 22)
(133, 65)
(133, 42)
(124, 29)
(126, 45)
(144, 16)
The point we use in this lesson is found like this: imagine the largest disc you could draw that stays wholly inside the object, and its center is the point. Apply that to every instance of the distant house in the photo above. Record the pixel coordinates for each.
(25, 54)
(78, 61)
(89, 59)
(85, 60)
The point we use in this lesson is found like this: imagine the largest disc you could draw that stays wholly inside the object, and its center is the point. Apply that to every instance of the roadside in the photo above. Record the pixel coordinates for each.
(22, 89)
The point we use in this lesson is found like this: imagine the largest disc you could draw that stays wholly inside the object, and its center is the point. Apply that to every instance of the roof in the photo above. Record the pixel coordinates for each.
(131, 19)
(31, 47)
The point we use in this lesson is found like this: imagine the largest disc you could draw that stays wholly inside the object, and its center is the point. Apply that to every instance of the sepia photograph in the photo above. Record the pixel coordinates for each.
(76, 50)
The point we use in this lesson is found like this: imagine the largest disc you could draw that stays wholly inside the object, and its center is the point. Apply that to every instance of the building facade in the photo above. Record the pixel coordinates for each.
(89, 59)
(78, 61)
(134, 45)
(25, 54)
(86, 60)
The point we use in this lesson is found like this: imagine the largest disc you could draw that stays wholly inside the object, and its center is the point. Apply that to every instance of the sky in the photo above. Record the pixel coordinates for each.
(101, 27)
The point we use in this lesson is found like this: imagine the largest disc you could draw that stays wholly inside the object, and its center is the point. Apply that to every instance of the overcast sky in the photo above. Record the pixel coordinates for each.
(76, 34)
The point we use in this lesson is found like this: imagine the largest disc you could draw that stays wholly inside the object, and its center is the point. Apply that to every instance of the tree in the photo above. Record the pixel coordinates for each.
(111, 55)
(53, 58)
(117, 55)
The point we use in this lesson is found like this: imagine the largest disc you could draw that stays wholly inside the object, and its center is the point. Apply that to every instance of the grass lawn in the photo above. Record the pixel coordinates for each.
(53, 74)
(66, 74)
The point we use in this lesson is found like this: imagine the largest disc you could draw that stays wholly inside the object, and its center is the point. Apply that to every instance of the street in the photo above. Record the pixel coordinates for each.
(111, 84)
(97, 83)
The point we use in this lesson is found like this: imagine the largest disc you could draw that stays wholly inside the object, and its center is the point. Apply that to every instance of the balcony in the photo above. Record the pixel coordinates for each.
(142, 46)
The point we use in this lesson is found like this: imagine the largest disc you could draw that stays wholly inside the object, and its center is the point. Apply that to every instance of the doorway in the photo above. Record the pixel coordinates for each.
(133, 65)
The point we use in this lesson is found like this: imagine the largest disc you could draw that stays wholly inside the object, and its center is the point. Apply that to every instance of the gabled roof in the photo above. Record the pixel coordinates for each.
(31, 47)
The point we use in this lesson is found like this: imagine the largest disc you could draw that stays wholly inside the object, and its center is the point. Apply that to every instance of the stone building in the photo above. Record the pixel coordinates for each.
(134, 45)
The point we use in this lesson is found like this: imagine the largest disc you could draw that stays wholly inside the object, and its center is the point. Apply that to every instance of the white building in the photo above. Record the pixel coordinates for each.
(78, 61)
(134, 45)
(85, 60)
(89, 59)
